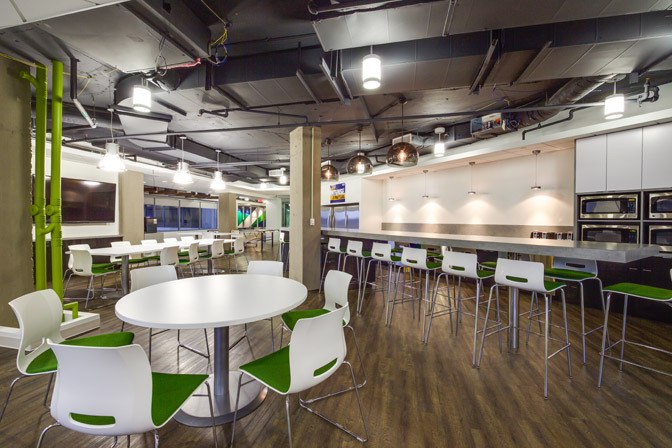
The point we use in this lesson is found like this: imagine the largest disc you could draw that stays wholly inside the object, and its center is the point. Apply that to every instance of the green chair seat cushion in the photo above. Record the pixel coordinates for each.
(100, 271)
(484, 273)
(184, 262)
(643, 291)
(272, 369)
(46, 361)
(183, 254)
(170, 391)
(229, 252)
(552, 286)
(290, 318)
(203, 251)
(433, 265)
(489, 264)
(397, 249)
(393, 258)
(205, 256)
(103, 265)
(138, 260)
(568, 274)
(433, 254)
(154, 257)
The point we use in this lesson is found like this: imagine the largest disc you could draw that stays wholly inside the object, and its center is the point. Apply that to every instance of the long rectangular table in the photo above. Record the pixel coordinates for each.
(125, 253)
(507, 246)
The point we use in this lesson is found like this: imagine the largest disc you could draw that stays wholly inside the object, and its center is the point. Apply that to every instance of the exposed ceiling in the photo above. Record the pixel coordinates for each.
(443, 56)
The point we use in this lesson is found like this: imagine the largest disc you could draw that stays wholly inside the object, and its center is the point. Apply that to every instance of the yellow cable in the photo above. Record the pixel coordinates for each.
(84, 88)
(220, 19)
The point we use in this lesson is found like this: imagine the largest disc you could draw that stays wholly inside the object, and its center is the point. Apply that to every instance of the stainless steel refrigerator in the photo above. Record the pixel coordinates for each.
(340, 217)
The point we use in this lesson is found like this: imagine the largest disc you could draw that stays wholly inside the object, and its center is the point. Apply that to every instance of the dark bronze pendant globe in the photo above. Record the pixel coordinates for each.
(360, 165)
(402, 154)
(329, 173)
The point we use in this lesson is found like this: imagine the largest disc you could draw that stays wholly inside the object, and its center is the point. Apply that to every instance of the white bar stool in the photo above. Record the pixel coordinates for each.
(356, 249)
(333, 247)
(380, 253)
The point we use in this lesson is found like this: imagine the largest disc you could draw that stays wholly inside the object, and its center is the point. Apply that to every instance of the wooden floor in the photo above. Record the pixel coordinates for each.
(416, 395)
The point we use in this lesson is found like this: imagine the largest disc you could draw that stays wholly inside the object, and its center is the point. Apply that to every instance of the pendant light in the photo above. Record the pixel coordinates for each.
(389, 190)
(402, 154)
(360, 164)
(142, 98)
(439, 146)
(112, 161)
(425, 196)
(371, 71)
(471, 191)
(328, 172)
(217, 183)
(283, 177)
(182, 175)
(614, 105)
(536, 185)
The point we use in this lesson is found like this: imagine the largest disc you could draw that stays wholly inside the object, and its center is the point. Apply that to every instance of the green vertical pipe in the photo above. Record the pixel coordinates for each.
(54, 210)
(37, 209)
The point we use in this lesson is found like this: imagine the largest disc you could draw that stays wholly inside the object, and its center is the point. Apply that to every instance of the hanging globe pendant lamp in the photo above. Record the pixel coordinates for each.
(328, 172)
(360, 164)
(402, 154)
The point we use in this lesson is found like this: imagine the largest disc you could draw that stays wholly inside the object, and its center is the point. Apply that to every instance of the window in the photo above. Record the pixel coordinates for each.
(209, 218)
(167, 218)
(190, 218)
(174, 214)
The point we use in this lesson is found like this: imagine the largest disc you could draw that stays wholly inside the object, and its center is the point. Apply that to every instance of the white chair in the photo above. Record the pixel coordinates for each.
(333, 247)
(187, 239)
(217, 251)
(463, 265)
(170, 240)
(39, 314)
(150, 255)
(259, 267)
(238, 249)
(380, 253)
(127, 404)
(316, 351)
(169, 256)
(144, 277)
(71, 261)
(283, 248)
(83, 266)
(134, 259)
(194, 257)
(336, 287)
(529, 276)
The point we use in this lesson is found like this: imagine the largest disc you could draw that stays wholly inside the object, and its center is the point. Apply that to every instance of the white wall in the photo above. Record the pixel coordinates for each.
(371, 206)
(83, 171)
(273, 213)
(503, 194)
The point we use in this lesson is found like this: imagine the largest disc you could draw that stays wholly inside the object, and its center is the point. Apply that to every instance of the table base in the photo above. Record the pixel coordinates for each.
(196, 411)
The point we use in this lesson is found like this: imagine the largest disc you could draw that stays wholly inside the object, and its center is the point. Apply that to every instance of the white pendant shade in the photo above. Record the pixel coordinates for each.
(111, 161)
(439, 149)
(371, 71)
(142, 99)
(217, 183)
(614, 106)
(182, 175)
(283, 179)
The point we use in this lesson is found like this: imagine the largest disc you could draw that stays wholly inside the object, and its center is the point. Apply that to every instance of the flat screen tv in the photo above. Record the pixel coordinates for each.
(85, 201)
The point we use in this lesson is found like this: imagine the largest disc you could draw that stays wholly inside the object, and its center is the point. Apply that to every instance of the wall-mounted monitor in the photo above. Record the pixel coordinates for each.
(85, 201)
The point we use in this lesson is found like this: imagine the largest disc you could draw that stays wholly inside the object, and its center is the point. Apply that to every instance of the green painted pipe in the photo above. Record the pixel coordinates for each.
(54, 210)
(37, 208)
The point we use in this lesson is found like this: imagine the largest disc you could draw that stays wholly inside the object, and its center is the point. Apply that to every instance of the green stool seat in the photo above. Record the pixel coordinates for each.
(433, 254)
(484, 273)
(169, 391)
(489, 264)
(395, 259)
(567, 274)
(183, 254)
(642, 291)
(272, 369)
(46, 361)
(552, 286)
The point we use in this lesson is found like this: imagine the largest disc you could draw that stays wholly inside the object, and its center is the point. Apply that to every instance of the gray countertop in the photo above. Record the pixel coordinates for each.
(588, 250)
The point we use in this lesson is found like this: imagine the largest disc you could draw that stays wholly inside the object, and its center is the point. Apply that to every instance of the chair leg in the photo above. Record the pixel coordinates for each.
(289, 424)
(625, 316)
(212, 414)
(604, 338)
(9, 392)
(487, 314)
(546, 347)
(479, 285)
(46, 395)
(564, 316)
(324, 268)
(272, 337)
(156, 439)
(583, 324)
(282, 331)
(39, 441)
(235, 412)
(89, 291)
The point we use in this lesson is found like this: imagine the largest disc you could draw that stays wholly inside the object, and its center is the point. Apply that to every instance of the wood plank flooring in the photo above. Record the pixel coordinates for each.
(417, 395)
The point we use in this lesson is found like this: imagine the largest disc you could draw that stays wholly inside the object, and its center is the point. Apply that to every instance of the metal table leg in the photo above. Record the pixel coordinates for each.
(124, 274)
(196, 411)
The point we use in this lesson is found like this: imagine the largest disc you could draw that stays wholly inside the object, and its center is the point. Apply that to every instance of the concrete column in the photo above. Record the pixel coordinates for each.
(227, 219)
(132, 206)
(16, 272)
(304, 197)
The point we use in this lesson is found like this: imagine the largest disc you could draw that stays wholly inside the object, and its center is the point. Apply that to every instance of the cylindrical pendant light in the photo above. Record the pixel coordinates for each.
(402, 154)
(425, 196)
(536, 185)
(614, 105)
(389, 190)
(142, 98)
(182, 175)
(328, 172)
(283, 177)
(360, 164)
(439, 146)
(217, 183)
(471, 191)
(371, 71)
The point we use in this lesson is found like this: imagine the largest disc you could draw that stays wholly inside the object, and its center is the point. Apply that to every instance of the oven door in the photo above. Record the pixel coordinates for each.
(610, 206)
(610, 233)
(661, 236)
(660, 205)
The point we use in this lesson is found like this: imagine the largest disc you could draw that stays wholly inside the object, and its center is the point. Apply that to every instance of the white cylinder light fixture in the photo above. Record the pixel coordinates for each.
(439, 146)
(217, 183)
(112, 161)
(536, 185)
(371, 71)
(142, 98)
(614, 105)
(283, 177)
(182, 175)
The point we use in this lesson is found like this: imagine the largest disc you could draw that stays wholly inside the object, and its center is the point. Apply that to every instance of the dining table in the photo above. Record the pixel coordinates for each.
(219, 302)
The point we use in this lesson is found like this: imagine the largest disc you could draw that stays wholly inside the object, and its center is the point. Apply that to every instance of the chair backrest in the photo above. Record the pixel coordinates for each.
(122, 244)
(527, 275)
(148, 242)
(265, 267)
(282, 237)
(170, 240)
(193, 251)
(235, 233)
(169, 256)
(461, 264)
(238, 246)
(317, 349)
(575, 264)
(381, 251)
(81, 262)
(141, 278)
(71, 259)
(187, 239)
(336, 286)
(217, 249)
(354, 248)
(414, 257)
(334, 245)
(126, 396)
(39, 315)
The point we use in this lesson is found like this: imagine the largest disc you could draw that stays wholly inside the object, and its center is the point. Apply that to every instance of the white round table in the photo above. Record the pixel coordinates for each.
(215, 301)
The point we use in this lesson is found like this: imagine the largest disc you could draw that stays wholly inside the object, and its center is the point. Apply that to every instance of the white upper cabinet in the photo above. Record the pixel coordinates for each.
(591, 164)
(624, 160)
(657, 156)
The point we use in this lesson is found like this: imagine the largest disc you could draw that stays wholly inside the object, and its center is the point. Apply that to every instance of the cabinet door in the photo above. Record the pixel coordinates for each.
(624, 160)
(591, 164)
(657, 156)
